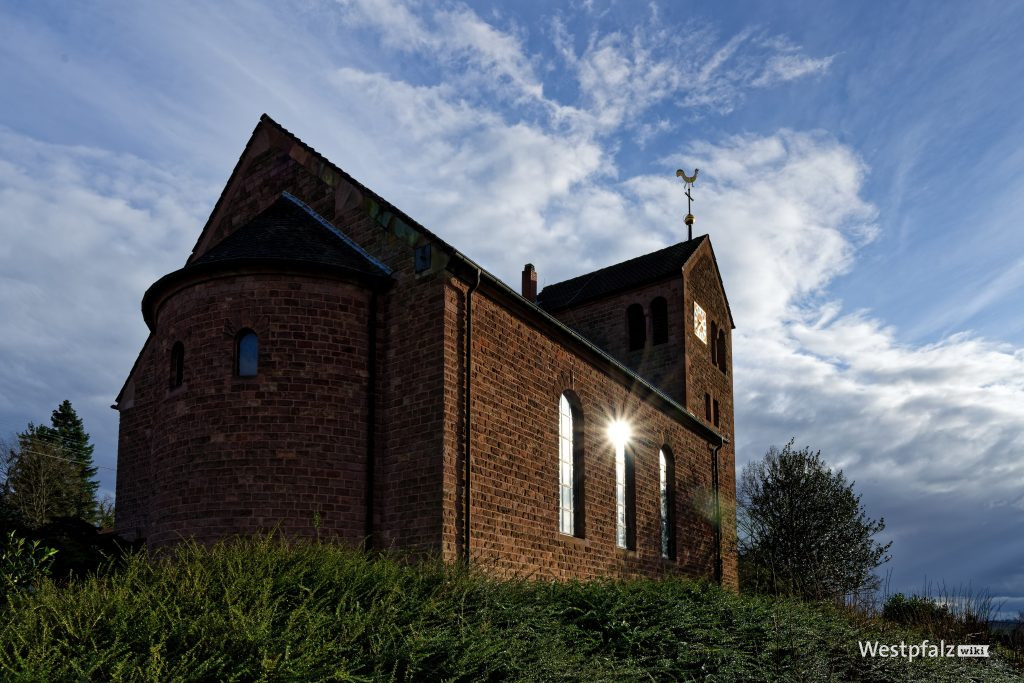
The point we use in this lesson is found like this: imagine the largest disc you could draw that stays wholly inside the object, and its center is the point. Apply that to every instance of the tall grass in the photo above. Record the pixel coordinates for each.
(263, 610)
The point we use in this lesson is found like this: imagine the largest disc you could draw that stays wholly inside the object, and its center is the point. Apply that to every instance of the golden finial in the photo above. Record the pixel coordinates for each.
(688, 180)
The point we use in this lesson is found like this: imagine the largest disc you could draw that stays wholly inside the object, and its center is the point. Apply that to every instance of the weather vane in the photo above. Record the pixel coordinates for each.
(688, 180)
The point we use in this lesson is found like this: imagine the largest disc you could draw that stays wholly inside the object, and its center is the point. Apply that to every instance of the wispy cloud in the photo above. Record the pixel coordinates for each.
(619, 75)
(456, 36)
(622, 75)
(85, 232)
(782, 68)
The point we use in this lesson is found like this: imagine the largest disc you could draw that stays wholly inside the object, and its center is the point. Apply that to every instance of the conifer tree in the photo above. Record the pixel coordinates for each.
(52, 474)
(73, 440)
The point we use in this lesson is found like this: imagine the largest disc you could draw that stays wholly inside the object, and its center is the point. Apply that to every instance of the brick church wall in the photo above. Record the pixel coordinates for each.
(409, 418)
(704, 377)
(135, 483)
(249, 454)
(519, 374)
(604, 322)
(409, 410)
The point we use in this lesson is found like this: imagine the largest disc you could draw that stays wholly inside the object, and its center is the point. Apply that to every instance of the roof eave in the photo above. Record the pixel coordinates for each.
(200, 271)
(614, 292)
(464, 267)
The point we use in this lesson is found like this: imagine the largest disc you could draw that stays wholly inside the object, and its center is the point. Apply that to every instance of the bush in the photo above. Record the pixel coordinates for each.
(803, 530)
(918, 611)
(22, 565)
(81, 548)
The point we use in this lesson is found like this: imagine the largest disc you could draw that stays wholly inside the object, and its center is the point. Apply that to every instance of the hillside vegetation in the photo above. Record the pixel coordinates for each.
(261, 610)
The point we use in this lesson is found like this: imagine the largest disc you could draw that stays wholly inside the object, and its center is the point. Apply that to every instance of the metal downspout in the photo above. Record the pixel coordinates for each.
(469, 412)
(718, 512)
(371, 420)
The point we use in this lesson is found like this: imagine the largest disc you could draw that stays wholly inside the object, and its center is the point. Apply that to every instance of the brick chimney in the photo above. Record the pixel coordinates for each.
(530, 283)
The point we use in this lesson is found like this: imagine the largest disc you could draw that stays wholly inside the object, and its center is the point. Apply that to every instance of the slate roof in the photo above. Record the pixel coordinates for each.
(620, 277)
(288, 230)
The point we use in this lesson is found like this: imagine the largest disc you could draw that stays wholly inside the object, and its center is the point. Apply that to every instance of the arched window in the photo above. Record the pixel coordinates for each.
(177, 364)
(570, 466)
(713, 339)
(659, 320)
(667, 488)
(625, 497)
(637, 327)
(247, 354)
(720, 344)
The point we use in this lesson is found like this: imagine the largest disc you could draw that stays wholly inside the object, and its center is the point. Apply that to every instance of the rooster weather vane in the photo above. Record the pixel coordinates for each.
(688, 180)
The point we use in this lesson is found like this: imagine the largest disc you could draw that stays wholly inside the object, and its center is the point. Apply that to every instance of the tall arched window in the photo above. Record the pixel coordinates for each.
(667, 488)
(659, 320)
(570, 466)
(247, 354)
(713, 342)
(720, 344)
(636, 325)
(177, 364)
(625, 497)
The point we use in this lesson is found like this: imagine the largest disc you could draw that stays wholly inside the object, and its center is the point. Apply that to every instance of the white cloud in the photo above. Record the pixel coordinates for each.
(620, 75)
(455, 36)
(786, 216)
(85, 232)
(782, 68)
(462, 169)
(783, 210)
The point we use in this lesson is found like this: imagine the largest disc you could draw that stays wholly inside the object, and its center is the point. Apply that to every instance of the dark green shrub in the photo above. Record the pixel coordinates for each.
(81, 548)
(265, 610)
(919, 611)
(22, 564)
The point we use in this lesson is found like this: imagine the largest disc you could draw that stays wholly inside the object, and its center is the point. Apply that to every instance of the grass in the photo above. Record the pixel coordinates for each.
(263, 610)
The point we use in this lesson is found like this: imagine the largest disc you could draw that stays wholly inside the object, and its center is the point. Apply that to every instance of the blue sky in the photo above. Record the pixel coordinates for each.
(862, 171)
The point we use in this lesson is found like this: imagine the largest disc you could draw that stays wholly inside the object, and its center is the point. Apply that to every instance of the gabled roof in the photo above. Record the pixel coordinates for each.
(620, 277)
(288, 230)
(383, 206)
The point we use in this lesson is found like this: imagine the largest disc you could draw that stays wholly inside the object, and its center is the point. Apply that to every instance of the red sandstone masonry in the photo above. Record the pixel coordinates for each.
(682, 367)
(223, 455)
(519, 374)
(702, 284)
(604, 322)
(254, 454)
(409, 467)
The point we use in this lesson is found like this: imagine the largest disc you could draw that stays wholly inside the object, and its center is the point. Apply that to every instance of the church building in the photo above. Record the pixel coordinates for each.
(325, 366)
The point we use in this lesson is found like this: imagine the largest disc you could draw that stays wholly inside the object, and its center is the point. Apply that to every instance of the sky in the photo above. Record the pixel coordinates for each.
(862, 181)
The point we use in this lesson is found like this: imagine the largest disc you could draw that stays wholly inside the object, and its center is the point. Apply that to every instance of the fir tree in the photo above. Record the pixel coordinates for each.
(74, 441)
(63, 449)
